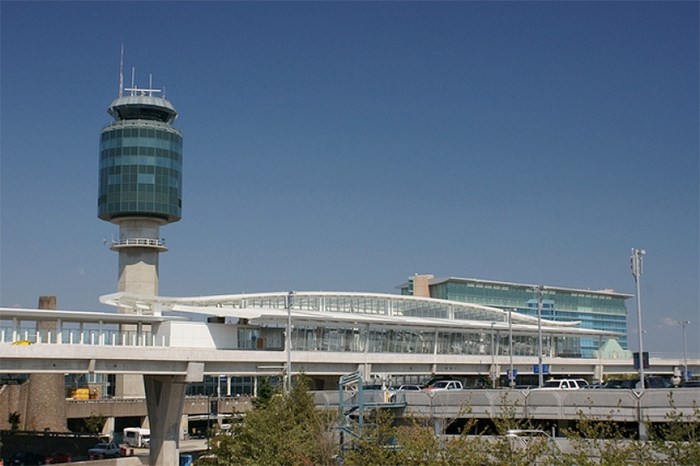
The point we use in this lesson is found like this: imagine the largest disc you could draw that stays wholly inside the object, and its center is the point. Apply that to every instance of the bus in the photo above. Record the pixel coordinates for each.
(137, 437)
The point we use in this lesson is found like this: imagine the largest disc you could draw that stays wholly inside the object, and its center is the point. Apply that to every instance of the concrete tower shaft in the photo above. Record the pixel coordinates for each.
(139, 246)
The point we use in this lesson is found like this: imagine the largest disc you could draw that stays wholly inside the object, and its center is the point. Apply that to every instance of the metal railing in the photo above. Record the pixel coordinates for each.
(151, 242)
(104, 337)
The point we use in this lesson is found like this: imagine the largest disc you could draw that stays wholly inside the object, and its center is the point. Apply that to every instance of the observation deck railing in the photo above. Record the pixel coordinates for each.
(149, 242)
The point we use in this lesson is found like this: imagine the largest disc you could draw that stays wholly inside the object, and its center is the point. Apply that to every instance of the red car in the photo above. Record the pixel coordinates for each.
(56, 457)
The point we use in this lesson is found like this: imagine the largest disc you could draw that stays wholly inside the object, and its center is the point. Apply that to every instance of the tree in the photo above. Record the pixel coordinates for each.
(596, 442)
(94, 423)
(677, 440)
(14, 419)
(515, 450)
(285, 430)
(289, 430)
(265, 392)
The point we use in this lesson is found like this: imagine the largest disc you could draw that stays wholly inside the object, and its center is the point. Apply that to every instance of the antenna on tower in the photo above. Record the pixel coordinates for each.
(133, 76)
(121, 73)
(150, 83)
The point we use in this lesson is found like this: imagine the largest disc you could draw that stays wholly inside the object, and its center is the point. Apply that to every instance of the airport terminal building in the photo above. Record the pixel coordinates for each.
(595, 310)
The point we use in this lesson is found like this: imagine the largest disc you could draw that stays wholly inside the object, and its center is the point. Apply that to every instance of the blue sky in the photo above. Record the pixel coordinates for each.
(346, 146)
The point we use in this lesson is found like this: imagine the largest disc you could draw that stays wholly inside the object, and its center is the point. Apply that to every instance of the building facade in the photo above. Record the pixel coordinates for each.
(596, 310)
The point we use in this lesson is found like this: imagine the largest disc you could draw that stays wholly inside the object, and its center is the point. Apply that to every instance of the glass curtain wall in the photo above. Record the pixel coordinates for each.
(389, 340)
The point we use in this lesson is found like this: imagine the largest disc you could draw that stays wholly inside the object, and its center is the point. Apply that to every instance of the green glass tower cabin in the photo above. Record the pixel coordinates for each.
(141, 160)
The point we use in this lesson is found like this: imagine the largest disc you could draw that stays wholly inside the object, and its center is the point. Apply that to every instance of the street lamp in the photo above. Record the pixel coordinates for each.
(540, 375)
(511, 377)
(636, 265)
(685, 350)
(493, 358)
(288, 375)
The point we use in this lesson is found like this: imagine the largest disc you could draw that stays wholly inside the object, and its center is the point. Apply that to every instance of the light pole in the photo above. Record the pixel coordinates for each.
(636, 265)
(493, 358)
(540, 375)
(685, 350)
(288, 375)
(511, 378)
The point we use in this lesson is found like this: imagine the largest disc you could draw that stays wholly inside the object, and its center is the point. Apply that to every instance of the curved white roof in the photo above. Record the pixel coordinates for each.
(349, 307)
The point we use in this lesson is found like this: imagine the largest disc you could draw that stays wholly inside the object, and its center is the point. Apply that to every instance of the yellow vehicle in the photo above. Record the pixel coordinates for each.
(22, 343)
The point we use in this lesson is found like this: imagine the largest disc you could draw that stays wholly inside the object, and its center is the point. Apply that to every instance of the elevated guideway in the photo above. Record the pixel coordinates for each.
(335, 334)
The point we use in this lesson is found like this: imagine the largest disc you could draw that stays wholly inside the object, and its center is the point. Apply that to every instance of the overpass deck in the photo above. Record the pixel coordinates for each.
(655, 405)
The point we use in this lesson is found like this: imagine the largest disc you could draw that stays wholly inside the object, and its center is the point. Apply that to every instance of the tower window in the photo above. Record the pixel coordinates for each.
(146, 178)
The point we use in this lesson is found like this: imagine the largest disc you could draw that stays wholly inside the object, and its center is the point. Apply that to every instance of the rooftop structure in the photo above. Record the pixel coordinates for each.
(370, 322)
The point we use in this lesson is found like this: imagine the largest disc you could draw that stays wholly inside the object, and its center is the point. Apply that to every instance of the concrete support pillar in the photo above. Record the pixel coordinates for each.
(128, 386)
(165, 397)
(599, 371)
(184, 427)
(438, 426)
(108, 428)
(46, 404)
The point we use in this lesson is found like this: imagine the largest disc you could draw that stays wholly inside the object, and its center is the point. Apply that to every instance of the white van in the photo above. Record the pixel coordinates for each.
(137, 437)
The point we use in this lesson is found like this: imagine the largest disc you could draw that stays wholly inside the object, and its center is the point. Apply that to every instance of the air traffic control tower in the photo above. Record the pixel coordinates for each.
(140, 187)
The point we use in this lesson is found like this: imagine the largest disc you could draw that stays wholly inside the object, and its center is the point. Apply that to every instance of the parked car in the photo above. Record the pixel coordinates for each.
(582, 383)
(27, 458)
(59, 457)
(560, 384)
(104, 450)
(410, 388)
(441, 385)
(614, 383)
(403, 389)
(651, 382)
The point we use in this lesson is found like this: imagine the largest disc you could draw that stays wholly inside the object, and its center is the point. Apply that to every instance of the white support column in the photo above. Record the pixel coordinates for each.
(165, 398)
